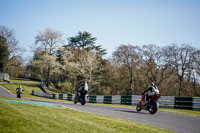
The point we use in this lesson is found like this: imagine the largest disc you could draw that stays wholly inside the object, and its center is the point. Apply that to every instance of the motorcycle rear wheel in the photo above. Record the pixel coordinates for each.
(138, 107)
(153, 109)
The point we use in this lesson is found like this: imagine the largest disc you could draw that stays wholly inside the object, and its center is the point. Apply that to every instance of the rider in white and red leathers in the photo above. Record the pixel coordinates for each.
(152, 89)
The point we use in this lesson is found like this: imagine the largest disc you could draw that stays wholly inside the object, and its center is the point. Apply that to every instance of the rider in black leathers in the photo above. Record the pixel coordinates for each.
(81, 87)
(19, 90)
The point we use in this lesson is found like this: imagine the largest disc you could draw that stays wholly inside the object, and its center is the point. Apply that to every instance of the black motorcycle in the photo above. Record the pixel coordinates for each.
(19, 94)
(80, 96)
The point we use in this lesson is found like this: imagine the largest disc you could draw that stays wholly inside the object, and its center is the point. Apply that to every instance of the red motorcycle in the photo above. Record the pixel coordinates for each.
(151, 106)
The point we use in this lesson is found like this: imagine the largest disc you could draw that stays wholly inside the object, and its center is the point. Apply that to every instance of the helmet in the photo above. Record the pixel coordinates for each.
(152, 83)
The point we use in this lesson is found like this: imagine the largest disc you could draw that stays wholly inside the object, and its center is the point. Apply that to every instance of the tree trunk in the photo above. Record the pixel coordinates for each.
(131, 85)
(180, 88)
(131, 89)
(48, 76)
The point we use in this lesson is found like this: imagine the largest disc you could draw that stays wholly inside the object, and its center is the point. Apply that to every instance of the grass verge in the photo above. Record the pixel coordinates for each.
(18, 117)
(26, 90)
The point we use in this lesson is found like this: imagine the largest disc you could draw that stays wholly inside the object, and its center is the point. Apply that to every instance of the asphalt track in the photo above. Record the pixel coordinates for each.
(175, 122)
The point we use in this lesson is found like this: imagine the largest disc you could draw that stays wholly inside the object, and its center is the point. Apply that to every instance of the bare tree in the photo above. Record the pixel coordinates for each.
(128, 56)
(15, 52)
(197, 60)
(48, 41)
(195, 74)
(156, 66)
(13, 47)
(181, 59)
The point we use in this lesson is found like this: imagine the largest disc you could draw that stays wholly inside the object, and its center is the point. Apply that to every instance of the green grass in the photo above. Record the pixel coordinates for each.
(26, 89)
(18, 118)
(23, 80)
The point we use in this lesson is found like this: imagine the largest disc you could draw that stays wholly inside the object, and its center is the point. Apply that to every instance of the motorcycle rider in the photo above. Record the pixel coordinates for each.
(81, 87)
(152, 89)
(19, 90)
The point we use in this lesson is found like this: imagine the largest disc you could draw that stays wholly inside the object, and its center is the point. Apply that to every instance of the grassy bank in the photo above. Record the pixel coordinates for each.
(26, 89)
(18, 117)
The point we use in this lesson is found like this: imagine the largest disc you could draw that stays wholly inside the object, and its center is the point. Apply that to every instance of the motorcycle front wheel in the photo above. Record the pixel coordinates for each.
(75, 100)
(19, 95)
(82, 100)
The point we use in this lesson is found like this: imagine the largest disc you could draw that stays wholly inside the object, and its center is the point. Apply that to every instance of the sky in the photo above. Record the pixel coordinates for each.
(113, 22)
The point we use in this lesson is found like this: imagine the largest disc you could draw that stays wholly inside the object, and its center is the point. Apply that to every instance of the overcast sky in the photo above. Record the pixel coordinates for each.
(113, 22)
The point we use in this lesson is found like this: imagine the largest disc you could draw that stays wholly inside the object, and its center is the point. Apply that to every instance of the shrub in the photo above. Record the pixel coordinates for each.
(65, 87)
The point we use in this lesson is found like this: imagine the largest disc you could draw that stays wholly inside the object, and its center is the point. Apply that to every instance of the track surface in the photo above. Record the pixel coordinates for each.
(175, 122)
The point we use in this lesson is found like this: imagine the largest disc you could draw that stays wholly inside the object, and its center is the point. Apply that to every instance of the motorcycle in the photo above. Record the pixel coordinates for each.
(80, 97)
(19, 94)
(151, 106)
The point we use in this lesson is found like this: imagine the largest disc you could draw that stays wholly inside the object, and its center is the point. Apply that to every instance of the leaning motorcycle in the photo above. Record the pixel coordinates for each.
(151, 106)
(80, 97)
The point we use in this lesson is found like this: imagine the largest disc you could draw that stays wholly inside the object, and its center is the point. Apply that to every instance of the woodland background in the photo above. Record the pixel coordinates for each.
(175, 69)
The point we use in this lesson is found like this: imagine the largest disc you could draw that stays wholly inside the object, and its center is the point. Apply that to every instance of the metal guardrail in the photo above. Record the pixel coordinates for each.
(191, 103)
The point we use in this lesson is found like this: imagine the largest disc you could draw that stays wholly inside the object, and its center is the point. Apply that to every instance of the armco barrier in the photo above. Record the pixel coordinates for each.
(107, 99)
(92, 99)
(116, 99)
(192, 103)
(69, 97)
(167, 102)
(61, 96)
(99, 99)
(196, 103)
(126, 99)
(183, 103)
(135, 99)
